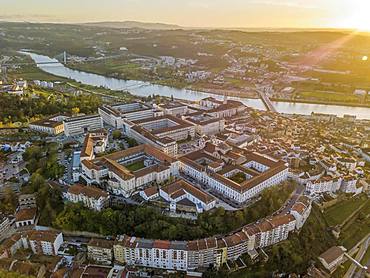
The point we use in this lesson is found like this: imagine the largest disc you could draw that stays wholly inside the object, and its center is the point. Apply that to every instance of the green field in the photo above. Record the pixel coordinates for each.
(329, 96)
(136, 166)
(357, 228)
(338, 213)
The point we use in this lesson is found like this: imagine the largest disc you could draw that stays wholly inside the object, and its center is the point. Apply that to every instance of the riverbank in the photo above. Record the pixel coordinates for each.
(336, 103)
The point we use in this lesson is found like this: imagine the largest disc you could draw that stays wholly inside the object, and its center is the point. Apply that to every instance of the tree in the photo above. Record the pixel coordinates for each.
(116, 134)
(75, 110)
(9, 201)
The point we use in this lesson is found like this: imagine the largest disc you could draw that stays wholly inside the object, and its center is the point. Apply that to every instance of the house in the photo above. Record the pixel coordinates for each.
(332, 258)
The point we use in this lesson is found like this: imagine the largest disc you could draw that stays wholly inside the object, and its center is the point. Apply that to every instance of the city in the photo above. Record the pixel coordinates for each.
(131, 149)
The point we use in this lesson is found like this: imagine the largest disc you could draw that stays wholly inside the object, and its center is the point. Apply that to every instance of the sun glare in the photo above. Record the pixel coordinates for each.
(360, 15)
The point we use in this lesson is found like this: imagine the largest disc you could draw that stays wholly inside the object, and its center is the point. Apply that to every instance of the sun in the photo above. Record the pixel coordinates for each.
(359, 15)
(351, 14)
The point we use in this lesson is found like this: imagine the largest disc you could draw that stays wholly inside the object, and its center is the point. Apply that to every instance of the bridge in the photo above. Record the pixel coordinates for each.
(266, 101)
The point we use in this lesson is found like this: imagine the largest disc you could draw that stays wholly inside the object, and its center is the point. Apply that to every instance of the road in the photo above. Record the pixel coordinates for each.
(351, 271)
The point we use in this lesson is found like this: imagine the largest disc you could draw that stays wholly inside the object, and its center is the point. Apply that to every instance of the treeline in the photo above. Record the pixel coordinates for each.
(149, 222)
(42, 164)
(24, 108)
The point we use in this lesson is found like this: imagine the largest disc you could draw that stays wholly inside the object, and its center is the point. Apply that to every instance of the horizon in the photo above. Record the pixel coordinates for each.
(274, 14)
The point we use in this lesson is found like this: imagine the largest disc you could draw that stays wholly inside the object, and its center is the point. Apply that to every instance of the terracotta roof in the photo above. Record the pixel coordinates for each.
(26, 214)
(332, 254)
(100, 243)
(88, 191)
(179, 188)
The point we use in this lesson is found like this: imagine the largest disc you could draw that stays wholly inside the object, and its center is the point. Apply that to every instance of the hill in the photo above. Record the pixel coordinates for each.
(135, 24)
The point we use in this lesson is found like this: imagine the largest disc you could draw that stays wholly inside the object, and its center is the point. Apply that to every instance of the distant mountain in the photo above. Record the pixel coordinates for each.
(135, 24)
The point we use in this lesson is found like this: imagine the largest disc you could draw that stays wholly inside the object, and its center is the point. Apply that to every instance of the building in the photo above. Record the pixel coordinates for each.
(206, 124)
(90, 196)
(176, 109)
(237, 174)
(11, 245)
(301, 211)
(45, 242)
(4, 226)
(82, 124)
(275, 229)
(161, 132)
(129, 170)
(181, 191)
(151, 253)
(52, 125)
(221, 109)
(332, 258)
(114, 115)
(95, 142)
(100, 251)
(323, 184)
(25, 217)
(27, 201)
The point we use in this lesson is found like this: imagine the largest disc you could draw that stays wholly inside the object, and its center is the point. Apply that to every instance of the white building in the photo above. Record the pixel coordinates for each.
(245, 176)
(206, 124)
(131, 169)
(151, 253)
(25, 217)
(301, 211)
(100, 251)
(51, 126)
(161, 132)
(82, 124)
(91, 196)
(181, 190)
(45, 242)
(114, 115)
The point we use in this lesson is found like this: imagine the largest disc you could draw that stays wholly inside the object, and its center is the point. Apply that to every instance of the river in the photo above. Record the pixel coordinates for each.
(141, 88)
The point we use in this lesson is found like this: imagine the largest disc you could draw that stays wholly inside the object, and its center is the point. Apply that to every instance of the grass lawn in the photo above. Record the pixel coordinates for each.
(328, 96)
(358, 229)
(238, 178)
(136, 166)
(336, 214)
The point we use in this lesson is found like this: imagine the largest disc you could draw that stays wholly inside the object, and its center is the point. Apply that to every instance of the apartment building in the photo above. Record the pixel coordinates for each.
(4, 226)
(100, 251)
(45, 242)
(90, 196)
(131, 169)
(275, 229)
(324, 184)
(301, 211)
(27, 201)
(151, 253)
(114, 115)
(82, 124)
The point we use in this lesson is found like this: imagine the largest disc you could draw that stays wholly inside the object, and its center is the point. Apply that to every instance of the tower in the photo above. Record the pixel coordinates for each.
(225, 98)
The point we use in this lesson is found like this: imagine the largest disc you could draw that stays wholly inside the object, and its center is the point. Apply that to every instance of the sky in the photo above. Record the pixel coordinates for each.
(197, 13)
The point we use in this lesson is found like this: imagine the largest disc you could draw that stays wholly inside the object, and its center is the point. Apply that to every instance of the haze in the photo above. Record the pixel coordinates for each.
(196, 13)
